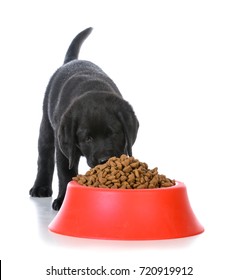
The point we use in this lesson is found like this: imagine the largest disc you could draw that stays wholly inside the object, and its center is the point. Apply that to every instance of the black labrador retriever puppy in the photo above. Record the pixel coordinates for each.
(84, 114)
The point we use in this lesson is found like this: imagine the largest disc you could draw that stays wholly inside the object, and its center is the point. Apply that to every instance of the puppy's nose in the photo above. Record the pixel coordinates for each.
(103, 160)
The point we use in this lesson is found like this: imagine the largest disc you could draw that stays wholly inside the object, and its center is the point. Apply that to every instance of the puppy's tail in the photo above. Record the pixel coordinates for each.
(73, 50)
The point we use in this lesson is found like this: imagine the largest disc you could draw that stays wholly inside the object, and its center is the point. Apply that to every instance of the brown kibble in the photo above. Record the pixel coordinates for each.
(96, 184)
(112, 159)
(167, 184)
(127, 169)
(123, 178)
(135, 164)
(116, 185)
(101, 167)
(142, 180)
(112, 163)
(131, 177)
(115, 181)
(118, 175)
(126, 184)
(155, 180)
(123, 157)
(119, 165)
(102, 180)
(137, 174)
(110, 178)
(124, 173)
(104, 186)
(143, 186)
(108, 183)
(146, 178)
(126, 162)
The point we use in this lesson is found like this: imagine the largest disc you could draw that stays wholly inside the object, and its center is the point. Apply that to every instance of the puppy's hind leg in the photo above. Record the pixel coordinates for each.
(46, 152)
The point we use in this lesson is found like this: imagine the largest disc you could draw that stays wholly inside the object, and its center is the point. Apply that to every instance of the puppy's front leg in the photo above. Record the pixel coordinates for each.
(65, 176)
(46, 151)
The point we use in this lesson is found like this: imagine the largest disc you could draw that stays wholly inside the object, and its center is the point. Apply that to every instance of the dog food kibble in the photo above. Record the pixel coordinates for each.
(124, 173)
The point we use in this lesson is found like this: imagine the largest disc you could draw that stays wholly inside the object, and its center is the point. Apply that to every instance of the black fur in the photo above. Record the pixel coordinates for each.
(84, 114)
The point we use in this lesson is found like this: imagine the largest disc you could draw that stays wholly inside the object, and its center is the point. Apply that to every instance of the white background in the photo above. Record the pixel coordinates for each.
(176, 62)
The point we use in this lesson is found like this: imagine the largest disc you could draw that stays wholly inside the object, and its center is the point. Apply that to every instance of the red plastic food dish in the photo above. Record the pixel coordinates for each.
(138, 214)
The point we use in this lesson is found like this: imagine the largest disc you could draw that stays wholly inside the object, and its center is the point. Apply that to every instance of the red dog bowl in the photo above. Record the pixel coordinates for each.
(124, 214)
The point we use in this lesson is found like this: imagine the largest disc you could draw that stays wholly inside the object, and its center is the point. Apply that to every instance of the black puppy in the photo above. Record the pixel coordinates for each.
(84, 114)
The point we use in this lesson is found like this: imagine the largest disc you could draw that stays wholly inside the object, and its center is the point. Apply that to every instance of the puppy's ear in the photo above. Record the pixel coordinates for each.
(67, 139)
(130, 126)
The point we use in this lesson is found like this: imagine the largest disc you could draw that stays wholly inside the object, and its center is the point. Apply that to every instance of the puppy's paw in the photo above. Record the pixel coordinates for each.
(57, 204)
(40, 191)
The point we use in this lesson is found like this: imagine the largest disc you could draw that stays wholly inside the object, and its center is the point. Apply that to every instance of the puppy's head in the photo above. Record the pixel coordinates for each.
(97, 126)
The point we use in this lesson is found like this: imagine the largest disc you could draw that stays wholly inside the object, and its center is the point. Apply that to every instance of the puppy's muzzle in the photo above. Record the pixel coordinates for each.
(103, 160)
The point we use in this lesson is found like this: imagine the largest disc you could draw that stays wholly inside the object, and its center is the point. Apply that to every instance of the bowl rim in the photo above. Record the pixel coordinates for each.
(75, 184)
